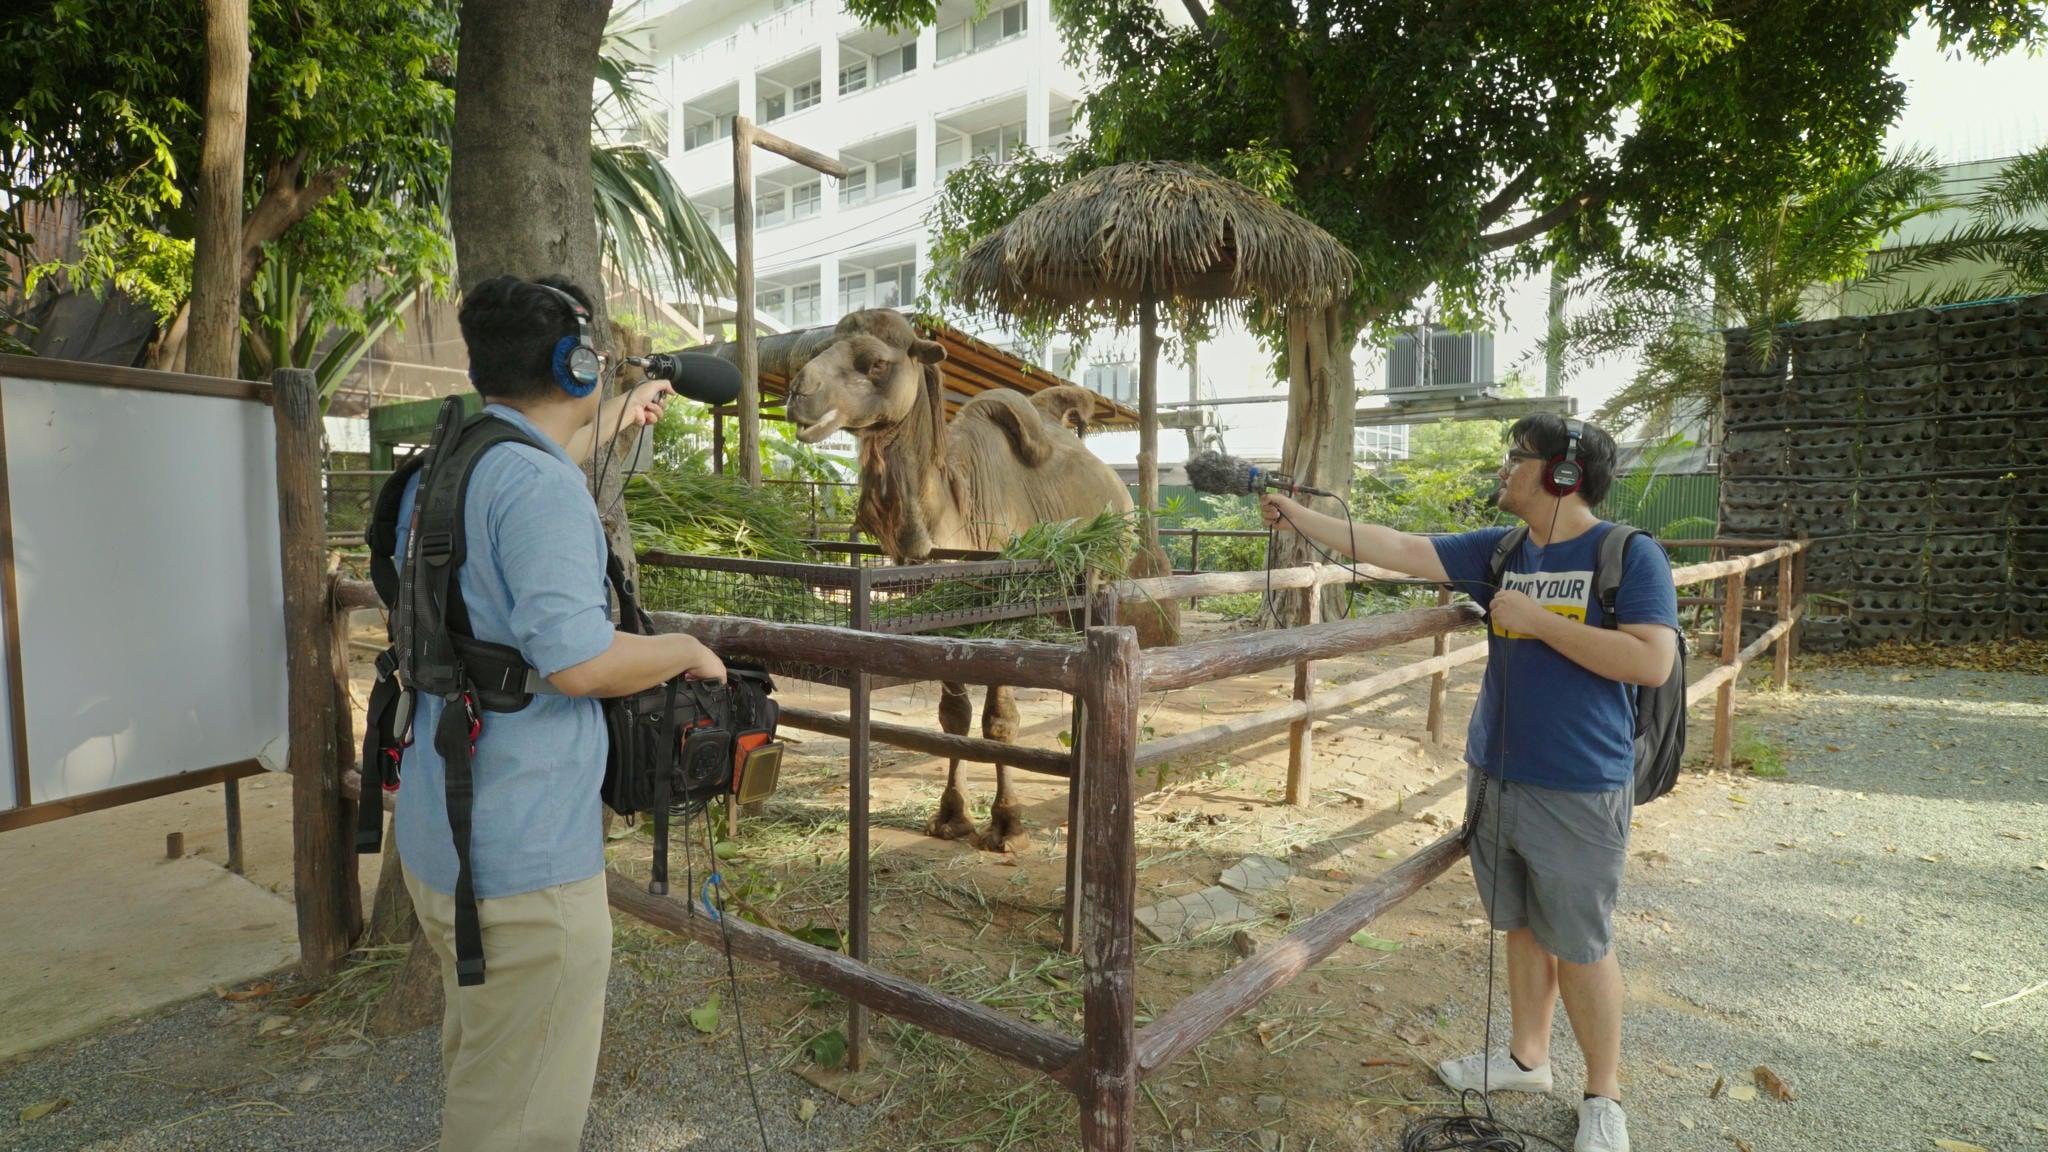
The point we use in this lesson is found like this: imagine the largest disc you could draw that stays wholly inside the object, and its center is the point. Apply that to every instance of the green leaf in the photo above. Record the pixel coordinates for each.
(725, 849)
(704, 1018)
(828, 1048)
(1376, 943)
(821, 935)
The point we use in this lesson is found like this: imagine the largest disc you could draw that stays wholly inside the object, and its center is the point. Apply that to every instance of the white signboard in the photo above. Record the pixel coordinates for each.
(145, 543)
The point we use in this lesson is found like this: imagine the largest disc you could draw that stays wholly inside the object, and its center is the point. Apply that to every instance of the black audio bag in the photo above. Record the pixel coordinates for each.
(670, 746)
(1660, 708)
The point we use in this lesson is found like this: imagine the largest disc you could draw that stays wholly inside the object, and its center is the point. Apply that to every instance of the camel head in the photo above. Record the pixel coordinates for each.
(871, 377)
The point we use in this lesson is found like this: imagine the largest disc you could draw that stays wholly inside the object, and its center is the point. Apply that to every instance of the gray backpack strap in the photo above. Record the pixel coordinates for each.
(1607, 567)
(1498, 565)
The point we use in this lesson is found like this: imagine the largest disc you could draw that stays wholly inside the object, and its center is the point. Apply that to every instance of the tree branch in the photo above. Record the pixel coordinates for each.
(1505, 200)
(1299, 104)
(1198, 14)
(1356, 136)
(284, 203)
(1538, 225)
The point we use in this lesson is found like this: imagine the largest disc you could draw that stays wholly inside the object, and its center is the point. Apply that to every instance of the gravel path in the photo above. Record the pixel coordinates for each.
(201, 1077)
(1846, 925)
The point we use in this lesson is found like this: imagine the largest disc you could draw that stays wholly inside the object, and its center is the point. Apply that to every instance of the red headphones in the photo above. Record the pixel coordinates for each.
(1563, 475)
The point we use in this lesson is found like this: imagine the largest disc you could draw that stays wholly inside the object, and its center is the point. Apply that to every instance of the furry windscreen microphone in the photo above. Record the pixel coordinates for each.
(1220, 475)
(698, 376)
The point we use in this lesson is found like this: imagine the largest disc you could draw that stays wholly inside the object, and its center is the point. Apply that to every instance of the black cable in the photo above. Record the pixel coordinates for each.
(715, 882)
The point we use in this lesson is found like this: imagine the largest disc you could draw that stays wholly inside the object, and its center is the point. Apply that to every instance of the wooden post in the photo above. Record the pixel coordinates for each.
(1781, 652)
(323, 858)
(1799, 590)
(214, 330)
(174, 845)
(1148, 418)
(344, 743)
(1301, 753)
(231, 793)
(717, 443)
(857, 711)
(1440, 647)
(1108, 1080)
(743, 304)
(1731, 644)
(1101, 614)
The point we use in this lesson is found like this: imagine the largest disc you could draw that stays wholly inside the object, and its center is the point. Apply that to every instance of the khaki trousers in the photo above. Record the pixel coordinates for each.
(519, 1051)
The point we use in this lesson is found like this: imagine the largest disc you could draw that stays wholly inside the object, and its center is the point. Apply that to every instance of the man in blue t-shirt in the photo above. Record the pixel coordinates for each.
(1550, 750)
(519, 1051)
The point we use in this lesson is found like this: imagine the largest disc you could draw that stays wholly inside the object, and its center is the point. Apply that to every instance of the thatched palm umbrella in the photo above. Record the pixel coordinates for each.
(1122, 240)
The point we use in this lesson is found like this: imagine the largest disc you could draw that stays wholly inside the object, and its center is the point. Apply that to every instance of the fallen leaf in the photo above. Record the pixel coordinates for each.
(1959, 1146)
(1983, 1057)
(308, 1084)
(1932, 858)
(806, 1111)
(1386, 854)
(402, 1077)
(1337, 874)
(1772, 1083)
(1686, 1123)
(263, 988)
(1720, 1082)
(1742, 1145)
(1742, 1092)
(1382, 1062)
(1704, 1065)
(1266, 1030)
(1413, 1035)
(39, 1110)
(298, 1002)
(1670, 1070)
(1378, 944)
(704, 1018)
(828, 1048)
(271, 1024)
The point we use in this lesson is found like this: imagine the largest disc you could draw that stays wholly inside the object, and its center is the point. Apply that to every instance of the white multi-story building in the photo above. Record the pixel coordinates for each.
(899, 110)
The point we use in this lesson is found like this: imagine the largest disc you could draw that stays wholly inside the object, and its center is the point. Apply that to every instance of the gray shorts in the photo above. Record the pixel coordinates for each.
(1559, 862)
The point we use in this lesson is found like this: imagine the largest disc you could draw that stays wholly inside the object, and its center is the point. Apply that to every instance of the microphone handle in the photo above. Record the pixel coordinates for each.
(1295, 489)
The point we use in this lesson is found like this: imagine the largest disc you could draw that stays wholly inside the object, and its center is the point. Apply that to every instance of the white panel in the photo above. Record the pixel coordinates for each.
(7, 797)
(146, 559)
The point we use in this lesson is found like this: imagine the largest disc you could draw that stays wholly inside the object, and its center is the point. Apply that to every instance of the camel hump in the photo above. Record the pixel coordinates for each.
(1068, 405)
(1030, 437)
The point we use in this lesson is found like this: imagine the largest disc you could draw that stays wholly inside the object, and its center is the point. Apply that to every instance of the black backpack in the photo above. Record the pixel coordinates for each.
(675, 745)
(1660, 710)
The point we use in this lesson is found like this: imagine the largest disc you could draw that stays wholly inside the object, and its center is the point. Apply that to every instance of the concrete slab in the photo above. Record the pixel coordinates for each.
(1255, 874)
(100, 926)
(1194, 914)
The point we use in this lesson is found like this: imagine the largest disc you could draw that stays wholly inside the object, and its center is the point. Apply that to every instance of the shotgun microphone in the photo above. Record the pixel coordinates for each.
(1217, 474)
(698, 376)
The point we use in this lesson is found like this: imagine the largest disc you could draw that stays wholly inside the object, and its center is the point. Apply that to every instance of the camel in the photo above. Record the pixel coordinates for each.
(1001, 465)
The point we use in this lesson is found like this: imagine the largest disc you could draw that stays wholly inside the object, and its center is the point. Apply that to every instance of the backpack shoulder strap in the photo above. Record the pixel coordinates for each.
(1607, 568)
(1498, 564)
(382, 533)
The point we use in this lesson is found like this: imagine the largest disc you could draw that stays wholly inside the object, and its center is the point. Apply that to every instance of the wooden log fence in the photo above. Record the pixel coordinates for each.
(1107, 676)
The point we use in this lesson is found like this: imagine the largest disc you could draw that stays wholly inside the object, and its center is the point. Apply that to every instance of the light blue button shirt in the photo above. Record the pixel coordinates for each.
(534, 580)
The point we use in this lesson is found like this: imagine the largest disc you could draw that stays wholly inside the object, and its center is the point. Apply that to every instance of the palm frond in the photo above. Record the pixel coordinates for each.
(649, 230)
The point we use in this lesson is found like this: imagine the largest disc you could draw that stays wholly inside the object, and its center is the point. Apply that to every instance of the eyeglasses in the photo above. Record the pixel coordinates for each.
(1516, 456)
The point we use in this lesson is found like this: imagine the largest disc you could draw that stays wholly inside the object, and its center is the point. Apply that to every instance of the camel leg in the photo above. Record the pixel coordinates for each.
(1005, 831)
(950, 822)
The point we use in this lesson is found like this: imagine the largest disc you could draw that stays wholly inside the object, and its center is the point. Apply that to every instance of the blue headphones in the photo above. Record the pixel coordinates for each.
(576, 363)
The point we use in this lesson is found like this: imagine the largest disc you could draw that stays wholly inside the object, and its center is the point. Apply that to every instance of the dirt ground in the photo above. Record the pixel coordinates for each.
(1338, 1059)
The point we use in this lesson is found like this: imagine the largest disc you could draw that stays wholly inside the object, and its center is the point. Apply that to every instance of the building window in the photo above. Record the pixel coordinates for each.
(952, 41)
(803, 201)
(803, 305)
(998, 144)
(854, 189)
(894, 285)
(706, 131)
(773, 302)
(853, 78)
(774, 107)
(1119, 382)
(1060, 123)
(853, 292)
(895, 174)
(770, 209)
(805, 95)
(895, 62)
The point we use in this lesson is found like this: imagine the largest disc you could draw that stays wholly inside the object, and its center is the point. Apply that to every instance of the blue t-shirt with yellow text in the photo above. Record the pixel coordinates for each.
(1566, 727)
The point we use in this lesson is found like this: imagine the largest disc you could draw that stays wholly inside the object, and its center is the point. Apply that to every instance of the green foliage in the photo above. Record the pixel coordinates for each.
(695, 513)
(1420, 140)
(1445, 485)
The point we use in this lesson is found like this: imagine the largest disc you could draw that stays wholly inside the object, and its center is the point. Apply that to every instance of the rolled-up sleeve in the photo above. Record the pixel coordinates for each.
(550, 551)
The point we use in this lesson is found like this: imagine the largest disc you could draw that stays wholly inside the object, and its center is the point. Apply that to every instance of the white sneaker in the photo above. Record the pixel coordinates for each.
(1496, 1073)
(1602, 1127)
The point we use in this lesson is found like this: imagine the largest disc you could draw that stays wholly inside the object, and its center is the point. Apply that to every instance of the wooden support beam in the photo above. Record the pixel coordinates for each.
(1238, 991)
(323, 856)
(1716, 569)
(1018, 663)
(1438, 680)
(934, 1011)
(1301, 754)
(1781, 663)
(1107, 1080)
(743, 299)
(1187, 587)
(1043, 761)
(816, 161)
(1220, 659)
(1731, 646)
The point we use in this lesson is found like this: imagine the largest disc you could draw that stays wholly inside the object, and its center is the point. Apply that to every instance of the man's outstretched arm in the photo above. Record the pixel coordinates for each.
(1367, 543)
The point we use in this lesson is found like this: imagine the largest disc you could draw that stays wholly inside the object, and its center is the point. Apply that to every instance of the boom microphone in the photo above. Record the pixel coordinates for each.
(1220, 475)
(698, 376)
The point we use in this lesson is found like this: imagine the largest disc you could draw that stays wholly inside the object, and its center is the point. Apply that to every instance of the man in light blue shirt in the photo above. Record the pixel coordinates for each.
(520, 1050)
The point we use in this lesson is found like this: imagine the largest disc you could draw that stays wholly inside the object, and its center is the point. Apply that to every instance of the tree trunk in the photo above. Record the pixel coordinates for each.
(519, 186)
(1322, 395)
(391, 918)
(415, 997)
(214, 332)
